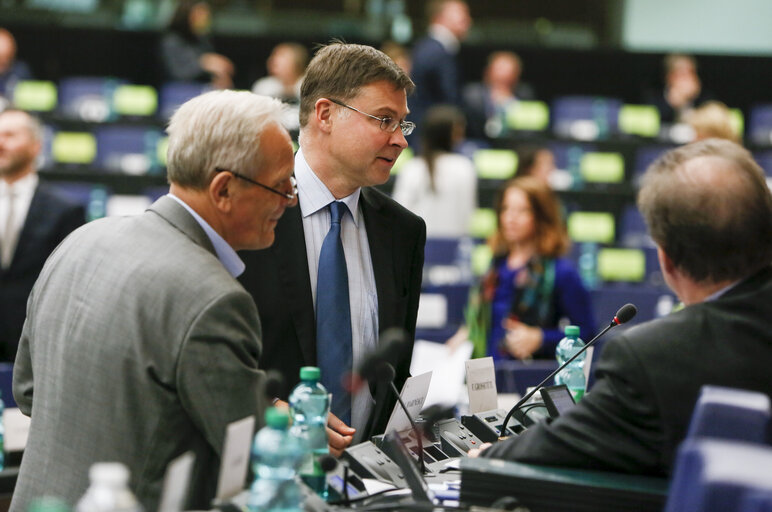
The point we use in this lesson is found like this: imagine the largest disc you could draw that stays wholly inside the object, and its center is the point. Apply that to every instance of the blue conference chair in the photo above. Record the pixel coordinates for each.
(760, 126)
(127, 149)
(585, 117)
(174, 94)
(88, 98)
(732, 414)
(717, 475)
(759, 500)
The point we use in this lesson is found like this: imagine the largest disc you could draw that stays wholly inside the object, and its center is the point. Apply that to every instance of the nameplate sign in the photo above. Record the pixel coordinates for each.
(413, 395)
(481, 384)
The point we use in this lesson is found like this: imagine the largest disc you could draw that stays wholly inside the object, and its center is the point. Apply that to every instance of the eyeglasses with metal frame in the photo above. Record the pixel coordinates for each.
(285, 195)
(388, 124)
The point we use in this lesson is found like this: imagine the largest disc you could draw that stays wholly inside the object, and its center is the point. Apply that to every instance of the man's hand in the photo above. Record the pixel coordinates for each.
(475, 452)
(339, 435)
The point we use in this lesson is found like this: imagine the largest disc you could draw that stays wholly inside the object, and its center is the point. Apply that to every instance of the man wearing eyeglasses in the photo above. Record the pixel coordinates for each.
(353, 110)
(139, 344)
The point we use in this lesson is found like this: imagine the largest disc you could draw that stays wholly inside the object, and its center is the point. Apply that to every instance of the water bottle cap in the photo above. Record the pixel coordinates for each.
(276, 418)
(310, 373)
(572, 330)
(109, 473)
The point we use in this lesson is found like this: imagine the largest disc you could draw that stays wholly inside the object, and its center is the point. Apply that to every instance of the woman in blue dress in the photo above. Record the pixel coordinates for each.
(531, 289)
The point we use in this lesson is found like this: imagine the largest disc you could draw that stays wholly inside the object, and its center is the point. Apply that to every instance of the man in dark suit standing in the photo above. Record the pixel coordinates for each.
(352, 129)
(709, 210)
(435, 67)
(34, 218)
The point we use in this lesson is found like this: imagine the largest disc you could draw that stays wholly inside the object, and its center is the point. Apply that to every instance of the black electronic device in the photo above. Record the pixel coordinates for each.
(413, 476)
(456, 439)
(368, 461)
(487, 425)
(624, 314)
(557, 399)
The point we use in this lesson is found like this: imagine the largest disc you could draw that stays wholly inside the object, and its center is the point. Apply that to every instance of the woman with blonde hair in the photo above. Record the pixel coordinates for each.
(531, 289)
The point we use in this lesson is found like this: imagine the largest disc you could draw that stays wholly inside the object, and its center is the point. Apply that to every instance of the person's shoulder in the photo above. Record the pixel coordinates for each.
(388, 207)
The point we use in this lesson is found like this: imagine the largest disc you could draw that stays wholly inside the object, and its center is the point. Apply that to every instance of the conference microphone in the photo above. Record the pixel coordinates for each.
(392, 342)
(624, 315)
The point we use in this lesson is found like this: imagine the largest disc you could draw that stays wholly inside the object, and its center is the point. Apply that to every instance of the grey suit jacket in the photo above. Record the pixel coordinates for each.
(648, 380)
(138, 346)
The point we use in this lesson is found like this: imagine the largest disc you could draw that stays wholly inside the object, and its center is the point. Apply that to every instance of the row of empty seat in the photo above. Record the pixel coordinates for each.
(100, 99)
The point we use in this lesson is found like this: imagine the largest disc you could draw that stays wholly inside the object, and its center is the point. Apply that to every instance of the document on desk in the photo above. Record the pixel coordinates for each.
(413, 394)
(447, 367)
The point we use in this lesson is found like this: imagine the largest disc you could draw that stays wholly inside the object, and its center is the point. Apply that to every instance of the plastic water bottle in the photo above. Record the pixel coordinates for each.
(2, 434)
(276, 456)
(573, 374)
(588, 265)
(109, 490)
(310, 406)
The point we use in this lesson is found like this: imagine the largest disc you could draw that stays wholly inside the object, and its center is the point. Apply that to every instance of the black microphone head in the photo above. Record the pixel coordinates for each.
(328, 463)
(384, 372)
(274, 384)
(625, 314)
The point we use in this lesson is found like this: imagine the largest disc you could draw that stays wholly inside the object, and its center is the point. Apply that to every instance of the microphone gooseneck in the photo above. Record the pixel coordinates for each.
(623, 315)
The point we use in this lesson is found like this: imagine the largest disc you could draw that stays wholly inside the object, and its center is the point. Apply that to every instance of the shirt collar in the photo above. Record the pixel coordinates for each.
(313, 194)
(225, 252)
(445, 37)
(24, 186)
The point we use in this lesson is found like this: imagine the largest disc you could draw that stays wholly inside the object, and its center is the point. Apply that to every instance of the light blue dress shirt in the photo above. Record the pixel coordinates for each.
(313, 197)
(225, 252)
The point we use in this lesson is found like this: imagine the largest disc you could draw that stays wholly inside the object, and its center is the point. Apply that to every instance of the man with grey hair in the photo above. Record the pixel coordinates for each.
(139, 343)
(34, 218)
(709, 210)
(347, 263)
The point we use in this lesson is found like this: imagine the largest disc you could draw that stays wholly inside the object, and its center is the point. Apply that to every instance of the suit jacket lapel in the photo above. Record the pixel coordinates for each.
(292, 263)
(380, 240)
(36, 223)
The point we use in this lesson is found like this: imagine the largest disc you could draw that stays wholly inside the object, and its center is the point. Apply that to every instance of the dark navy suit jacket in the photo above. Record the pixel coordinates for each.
(51, 217)
(278, 280)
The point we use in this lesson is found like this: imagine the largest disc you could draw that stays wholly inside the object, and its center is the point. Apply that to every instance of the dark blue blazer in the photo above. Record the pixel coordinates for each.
(278, 280)
(51, 217)
(436, 77)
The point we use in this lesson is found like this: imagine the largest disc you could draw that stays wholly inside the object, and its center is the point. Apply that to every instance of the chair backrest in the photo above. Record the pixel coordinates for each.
(88, 98)
(174, 94)
(760, 129)
(717, 475)
(127, 149)
(733, 414)
(585, 117)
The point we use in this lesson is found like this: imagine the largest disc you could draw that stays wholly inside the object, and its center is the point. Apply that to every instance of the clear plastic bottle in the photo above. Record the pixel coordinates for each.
(310, 406)
(573, 374)
(109, 490)
(276, 456)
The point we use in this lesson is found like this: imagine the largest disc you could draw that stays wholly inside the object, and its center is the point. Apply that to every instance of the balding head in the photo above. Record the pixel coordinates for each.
(708, 207)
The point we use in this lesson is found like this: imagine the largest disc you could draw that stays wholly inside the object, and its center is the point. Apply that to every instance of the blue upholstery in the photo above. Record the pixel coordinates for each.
(127, 149)
(760, 126)
(717, 475)
(6, 384)
(88, 98)
(571, 115)
(732, 414)
(174, 94)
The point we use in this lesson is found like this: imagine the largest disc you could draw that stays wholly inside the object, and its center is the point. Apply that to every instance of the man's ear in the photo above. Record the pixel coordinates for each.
(323, 114)
(221, 190)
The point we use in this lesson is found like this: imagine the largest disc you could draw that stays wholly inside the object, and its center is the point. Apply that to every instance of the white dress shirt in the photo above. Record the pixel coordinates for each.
(313, 197)
(23, 190)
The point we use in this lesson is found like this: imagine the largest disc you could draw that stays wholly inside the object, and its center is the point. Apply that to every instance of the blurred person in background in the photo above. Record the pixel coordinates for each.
(712, 119)
(531, 288)
(435, 69)
(537, 162)
(485, 102)
(34, 218)
(399, 54)
(187, 53)
(286, 66)
(440, 186)
(12, 70)
(683, 89)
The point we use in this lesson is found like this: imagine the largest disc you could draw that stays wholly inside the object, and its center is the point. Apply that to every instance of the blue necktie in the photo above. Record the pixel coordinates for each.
(333, 316)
